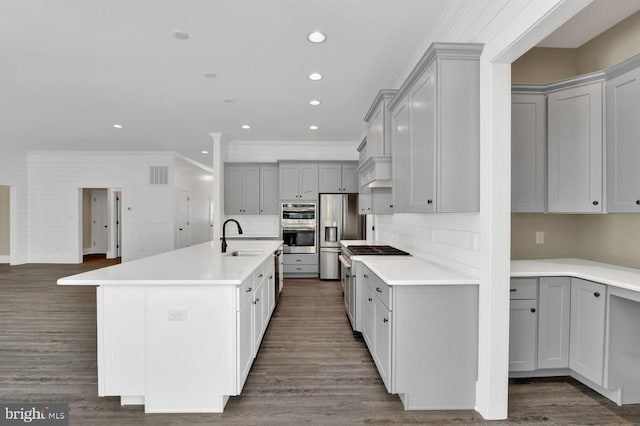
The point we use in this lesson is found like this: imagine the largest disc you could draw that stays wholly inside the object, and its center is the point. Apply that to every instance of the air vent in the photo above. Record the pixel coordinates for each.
(159, 175)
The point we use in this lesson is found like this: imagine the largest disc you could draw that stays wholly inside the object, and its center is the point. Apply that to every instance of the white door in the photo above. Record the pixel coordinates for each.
(182, 219)
(99, 221)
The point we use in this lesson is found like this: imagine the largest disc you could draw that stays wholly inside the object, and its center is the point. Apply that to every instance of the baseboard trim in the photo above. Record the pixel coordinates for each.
(5, 259)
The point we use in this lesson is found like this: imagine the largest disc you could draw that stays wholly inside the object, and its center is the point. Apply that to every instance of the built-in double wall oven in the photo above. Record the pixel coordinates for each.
(298, 224)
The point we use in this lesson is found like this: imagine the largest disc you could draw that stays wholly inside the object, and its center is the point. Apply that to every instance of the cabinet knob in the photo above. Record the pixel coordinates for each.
(366, 276)
(596, 294)
(248, 290)
(261, 210)
(370, 299)
(533, 310)
(595, 203)
(347, 276)
(378, 290)
(390, 206)
(385, 320)
(270, 277)
(260, 275)
(638, 202)
(429, 201)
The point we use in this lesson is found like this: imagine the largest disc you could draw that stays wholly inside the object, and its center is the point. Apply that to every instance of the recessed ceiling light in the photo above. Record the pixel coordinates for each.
(313, 127)
(246, 126)
(118, 126)
(315, 76)
(181, 35)
(316, 37)
(314, 102)
(228, 101)
(204, 152)
(210, 75)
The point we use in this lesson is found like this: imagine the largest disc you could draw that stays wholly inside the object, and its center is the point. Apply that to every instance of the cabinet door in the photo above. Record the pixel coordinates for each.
(258, 318)
(245, 343)
(623, 149)
(330, 178)
(270, 295)
(575, 150)
(251, 190)
(234, 190)
(382, 341)
(522, 335)
(422, 119)
(587, 329)
(269, 190)
(368, 317)
(375, 132)
(350, 178)
(364, 203)
(288, 177)
(308, 184)
(400, 157)
(528, 153)
(382, 201)
(554, 313)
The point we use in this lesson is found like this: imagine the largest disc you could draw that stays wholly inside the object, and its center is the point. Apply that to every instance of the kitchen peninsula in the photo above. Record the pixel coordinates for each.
(178, 332)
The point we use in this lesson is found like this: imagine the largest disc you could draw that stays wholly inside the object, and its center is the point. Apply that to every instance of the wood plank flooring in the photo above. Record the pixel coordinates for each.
(311, 367)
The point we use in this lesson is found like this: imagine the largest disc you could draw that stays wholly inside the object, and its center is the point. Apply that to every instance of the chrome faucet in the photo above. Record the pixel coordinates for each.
(224, 238)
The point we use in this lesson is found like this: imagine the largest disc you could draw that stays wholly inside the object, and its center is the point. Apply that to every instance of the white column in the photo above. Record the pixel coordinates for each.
(217, 190)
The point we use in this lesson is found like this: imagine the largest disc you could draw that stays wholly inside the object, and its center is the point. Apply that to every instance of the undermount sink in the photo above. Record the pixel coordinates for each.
(245, 252)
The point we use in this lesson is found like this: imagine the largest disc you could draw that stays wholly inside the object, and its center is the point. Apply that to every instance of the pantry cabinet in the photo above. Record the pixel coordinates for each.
(623, 149)
(435, 130)
(528, 152)
(575, 149)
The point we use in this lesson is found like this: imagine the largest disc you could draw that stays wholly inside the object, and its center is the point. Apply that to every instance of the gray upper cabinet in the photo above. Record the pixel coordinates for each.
(242, 190)
(298, 181)
(338, 177)
(378, 128)
(250, 189)
(575, 149)
(528, 152)
(623, 149)
(269, 199)
(435, 127)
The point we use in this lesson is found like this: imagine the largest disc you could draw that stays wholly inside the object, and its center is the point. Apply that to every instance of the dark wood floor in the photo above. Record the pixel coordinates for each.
(311, 367)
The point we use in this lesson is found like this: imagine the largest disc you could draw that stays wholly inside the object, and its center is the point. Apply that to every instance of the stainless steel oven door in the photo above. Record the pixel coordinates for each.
(299, 240)
(298, 215)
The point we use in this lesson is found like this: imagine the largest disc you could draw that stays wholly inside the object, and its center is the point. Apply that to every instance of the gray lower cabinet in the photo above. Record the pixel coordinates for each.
(623, 150)
(435, 130)
(423, 340)
(250, 189)
(523, 324)
(575, 149)
(554, 312)
(587, 329)
(300, 264)
(528, 152)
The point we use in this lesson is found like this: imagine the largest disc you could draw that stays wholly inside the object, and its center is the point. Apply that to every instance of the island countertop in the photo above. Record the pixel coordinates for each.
(202, 264)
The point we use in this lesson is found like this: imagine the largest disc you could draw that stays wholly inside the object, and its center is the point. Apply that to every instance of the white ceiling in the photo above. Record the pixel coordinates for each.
(72, 68)
(593, 20)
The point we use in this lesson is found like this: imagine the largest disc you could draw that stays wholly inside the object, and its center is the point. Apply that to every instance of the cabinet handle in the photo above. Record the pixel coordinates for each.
(596, 294)
(298, 260)
(429, 201)
(370, 299)
(259, 275)
(261, 210)
(270, 276)
(533, 310)
(638, 202)
(513, 289)
(298, 269)
(257, 300)
(248, 290)
(595, 203)
(385, 320)
(366, 276)
(390, 206)
(347, 276)
(378, 290)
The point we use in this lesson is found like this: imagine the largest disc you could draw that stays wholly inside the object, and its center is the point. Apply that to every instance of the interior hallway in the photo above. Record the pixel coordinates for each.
(311, 367)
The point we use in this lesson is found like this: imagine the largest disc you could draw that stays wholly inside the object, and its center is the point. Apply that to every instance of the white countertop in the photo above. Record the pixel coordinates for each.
(618, 276)
(202, 264)
(409, 270)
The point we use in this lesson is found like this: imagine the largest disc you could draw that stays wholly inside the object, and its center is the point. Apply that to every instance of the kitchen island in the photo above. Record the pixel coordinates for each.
(178, 332)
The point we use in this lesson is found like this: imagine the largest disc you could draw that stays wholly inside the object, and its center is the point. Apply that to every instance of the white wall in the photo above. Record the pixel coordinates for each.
(55, 216)
(196, 180)
(13, 172)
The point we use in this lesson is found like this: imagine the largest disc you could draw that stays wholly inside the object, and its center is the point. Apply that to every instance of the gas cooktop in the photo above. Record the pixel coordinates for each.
(376, 251)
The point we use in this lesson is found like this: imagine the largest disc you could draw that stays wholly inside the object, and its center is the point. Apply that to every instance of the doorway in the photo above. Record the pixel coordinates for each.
(101, 224)
(5, 223)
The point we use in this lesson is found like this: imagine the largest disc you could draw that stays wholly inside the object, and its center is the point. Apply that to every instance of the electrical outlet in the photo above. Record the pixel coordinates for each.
(539, 237)
(177, 314)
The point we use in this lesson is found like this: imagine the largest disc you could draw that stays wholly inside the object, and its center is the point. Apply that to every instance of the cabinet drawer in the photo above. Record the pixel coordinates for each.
(378, 287)
(245, 292)
(300, 259)
(258, 275)
(523, 288)
(300, 269)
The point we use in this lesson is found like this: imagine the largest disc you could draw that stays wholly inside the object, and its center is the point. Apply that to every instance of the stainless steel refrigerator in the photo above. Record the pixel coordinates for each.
(339, 220)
